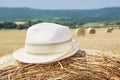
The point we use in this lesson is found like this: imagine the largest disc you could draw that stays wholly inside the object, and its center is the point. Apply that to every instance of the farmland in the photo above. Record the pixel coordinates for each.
(11, 40)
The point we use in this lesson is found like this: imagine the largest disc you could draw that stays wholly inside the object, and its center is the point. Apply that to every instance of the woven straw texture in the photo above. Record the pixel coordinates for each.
(84, 65)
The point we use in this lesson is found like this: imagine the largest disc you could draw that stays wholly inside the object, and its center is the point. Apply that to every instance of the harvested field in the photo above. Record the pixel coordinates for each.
(101, 40)
(11, 40)
(98, 59)
(20, 22)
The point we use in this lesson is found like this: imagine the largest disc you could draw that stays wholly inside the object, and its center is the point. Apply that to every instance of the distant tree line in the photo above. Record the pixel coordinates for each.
(8, 25)
(13, 25)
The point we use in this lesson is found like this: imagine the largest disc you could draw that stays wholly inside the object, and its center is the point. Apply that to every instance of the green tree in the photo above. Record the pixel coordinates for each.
(9, 25)
(1, 25)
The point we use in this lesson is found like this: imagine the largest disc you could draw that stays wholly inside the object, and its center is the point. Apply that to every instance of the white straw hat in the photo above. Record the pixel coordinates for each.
(45, 43)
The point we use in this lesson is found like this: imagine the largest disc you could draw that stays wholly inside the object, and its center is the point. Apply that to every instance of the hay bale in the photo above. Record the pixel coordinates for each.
(115, 27)
(91, 30)
(118, 27)
(108, 30)
(111, 28)
(84, 65)
(80, 32)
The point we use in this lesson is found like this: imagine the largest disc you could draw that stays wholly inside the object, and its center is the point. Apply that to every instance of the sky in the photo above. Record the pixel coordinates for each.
(60, 4)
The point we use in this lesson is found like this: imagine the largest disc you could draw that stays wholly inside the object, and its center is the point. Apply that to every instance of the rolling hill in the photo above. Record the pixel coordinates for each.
(71, 16)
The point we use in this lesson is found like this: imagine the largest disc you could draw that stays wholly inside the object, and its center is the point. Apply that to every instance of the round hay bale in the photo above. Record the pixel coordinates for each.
(118, 27)
(80, 32)
(115, 27)
(111, 28)
(108, 30)
(91, 30)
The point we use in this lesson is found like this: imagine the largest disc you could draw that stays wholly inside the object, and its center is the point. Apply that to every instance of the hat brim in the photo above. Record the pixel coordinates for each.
(22, 56)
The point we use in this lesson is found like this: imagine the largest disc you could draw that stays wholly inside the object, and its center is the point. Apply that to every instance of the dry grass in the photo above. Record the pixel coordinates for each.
(11, 40)
(20, 22)
(85, 65)
(101, 40)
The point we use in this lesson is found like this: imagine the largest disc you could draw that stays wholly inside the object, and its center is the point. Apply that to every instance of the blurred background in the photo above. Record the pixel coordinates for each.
(17, 16)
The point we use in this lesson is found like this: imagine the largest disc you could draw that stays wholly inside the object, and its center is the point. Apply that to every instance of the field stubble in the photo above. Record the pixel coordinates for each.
(10, 40)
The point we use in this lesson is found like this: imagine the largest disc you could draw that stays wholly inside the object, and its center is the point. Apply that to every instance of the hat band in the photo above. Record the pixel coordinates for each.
(46, 49)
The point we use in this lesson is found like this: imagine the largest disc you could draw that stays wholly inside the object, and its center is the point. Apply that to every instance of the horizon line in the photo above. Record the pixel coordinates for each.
(61, 8)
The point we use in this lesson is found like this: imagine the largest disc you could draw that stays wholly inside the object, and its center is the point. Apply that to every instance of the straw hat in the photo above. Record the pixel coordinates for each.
(45, 43)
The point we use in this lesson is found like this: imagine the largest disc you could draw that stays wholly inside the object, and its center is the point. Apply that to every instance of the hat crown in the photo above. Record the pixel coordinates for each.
(45, 33)
(45, 43)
